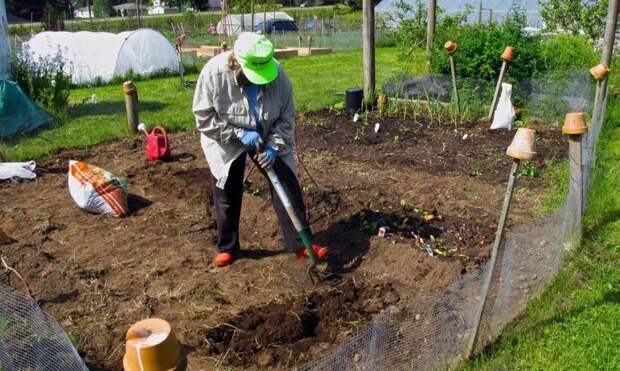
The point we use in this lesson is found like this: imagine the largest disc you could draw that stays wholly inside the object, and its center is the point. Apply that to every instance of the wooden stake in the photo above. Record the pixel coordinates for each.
(496, 245)
(606, 59)
(576, 185)
(497, 89)
(131, 105)
(608, 48)
(456, 90)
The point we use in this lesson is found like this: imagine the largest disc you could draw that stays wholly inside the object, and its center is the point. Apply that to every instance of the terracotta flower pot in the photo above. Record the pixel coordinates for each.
(508, 53)
(151, 346)
(599, 72)
(574, 124)
(451, 47)
(523, 144)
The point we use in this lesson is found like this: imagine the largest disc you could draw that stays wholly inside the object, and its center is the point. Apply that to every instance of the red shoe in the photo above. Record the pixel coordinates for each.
(320, 252)
(223, 259)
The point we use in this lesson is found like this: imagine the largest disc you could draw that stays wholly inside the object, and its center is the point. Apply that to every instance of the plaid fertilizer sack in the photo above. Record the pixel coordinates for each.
(97, 190)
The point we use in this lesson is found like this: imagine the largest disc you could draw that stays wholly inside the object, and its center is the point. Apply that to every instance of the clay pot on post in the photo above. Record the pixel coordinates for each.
(151, 345)
(451, 47)
(508, 54)
(599, 72)
(523, 145)
(575, 127)
(574, 124)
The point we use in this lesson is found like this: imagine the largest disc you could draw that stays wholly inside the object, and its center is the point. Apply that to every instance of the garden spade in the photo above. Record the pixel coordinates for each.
(315, 272)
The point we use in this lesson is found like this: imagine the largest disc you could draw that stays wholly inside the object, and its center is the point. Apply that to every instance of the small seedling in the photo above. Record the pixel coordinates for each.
(477, 170)
(338, 106)
(369, 226)
(472, 197)
(529, 170)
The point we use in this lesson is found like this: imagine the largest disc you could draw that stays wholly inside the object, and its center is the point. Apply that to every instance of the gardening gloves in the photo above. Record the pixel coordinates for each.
(267, 158)
(249, 138)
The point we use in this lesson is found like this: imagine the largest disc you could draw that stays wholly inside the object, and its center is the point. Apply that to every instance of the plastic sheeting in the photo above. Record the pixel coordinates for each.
(89, 56)
(18, 114)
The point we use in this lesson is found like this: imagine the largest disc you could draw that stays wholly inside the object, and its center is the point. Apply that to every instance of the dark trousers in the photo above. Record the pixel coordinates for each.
(227, 203)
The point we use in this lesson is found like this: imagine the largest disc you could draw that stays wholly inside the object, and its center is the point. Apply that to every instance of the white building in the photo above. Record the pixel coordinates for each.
(159, 7)
(83, 12)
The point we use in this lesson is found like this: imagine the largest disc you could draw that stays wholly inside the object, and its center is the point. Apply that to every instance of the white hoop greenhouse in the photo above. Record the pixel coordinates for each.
(92, 56)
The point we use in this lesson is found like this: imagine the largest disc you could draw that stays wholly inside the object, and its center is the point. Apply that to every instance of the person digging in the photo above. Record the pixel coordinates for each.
(243, 103)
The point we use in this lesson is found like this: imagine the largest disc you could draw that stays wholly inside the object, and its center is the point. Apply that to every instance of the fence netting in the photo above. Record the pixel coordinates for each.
(30, 339)
(546, 97)
(426, 332)
(434, 332)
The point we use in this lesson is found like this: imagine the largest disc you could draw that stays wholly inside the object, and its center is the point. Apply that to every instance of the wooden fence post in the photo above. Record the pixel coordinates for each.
(430, 26)
(131, 105)
(368, 34)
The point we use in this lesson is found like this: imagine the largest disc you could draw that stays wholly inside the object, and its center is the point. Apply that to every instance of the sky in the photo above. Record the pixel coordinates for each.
(500, 7)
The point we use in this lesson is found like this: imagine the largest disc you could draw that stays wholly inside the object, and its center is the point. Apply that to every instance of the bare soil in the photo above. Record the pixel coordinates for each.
(433, 189)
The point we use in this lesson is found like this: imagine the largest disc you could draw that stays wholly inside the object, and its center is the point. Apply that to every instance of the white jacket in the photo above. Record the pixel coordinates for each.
(222, 109)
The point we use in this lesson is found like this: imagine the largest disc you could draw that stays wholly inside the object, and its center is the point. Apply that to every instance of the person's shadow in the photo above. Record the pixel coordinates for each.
(348, 239)
(347, 246)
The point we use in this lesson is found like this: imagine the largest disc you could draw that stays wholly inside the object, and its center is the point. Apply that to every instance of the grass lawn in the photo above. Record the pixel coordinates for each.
(575, 323)
(316, 80)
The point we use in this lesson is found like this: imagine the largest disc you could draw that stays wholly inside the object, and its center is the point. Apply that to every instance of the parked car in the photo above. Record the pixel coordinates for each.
(276, 26)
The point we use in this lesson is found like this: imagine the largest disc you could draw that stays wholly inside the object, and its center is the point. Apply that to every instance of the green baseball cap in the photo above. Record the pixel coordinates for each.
(255, 55)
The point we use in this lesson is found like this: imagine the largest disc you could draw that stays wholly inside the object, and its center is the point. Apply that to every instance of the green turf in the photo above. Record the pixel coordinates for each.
(316, 80)
(575, 323)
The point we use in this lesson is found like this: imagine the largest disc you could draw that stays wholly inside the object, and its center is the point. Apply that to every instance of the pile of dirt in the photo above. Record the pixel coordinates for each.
(284, 333)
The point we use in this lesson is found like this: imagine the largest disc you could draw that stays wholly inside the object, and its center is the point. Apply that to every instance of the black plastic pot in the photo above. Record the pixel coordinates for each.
(353, 99)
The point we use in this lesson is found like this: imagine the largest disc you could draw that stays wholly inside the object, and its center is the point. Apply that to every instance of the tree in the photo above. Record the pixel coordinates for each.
(36, 8)
(102, 8)
(575, 16)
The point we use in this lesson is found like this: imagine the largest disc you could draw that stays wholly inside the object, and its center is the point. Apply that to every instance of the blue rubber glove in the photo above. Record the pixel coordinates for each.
(267, 158)
(249, 139)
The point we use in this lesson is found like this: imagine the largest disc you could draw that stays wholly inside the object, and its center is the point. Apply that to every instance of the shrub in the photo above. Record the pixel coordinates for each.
(482, 45)
(567, 52)
(412, 22)
(44, 80)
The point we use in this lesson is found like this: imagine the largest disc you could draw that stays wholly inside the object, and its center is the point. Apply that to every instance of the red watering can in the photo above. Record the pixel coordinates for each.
(157, 147)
